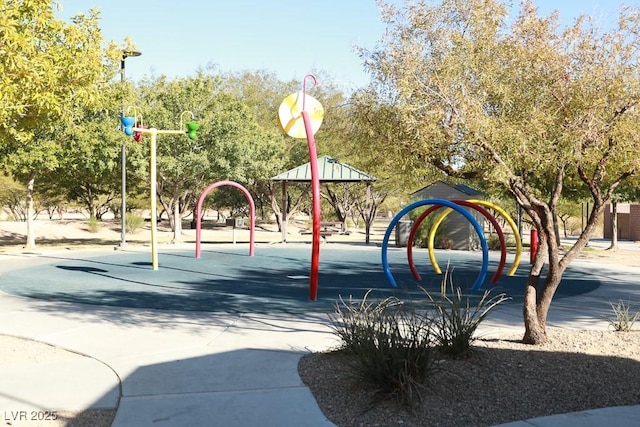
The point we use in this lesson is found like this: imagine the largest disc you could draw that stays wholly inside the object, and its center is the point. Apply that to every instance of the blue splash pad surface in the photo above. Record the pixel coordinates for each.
(276, 279)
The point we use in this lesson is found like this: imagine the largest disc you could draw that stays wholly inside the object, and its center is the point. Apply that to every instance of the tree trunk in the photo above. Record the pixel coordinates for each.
(535, 331)
(31, 233)
(275, 207)
(556, 229)
(369, 214)
(614, 227)
(538, 301)
(177, 221)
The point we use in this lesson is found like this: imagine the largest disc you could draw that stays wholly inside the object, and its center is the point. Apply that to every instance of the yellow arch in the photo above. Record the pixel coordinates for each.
(483, 203)
(432, 237)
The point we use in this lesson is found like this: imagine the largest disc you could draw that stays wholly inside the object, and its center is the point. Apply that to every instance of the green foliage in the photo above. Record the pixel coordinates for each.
(134, 222)
(457, 320)
(390, 346)
(12, 197)
(624, 320)
(421, 237)
(231, 144)
(89, 171)
(52, 70)
(94, 225)
(493, 242)
(466, 91)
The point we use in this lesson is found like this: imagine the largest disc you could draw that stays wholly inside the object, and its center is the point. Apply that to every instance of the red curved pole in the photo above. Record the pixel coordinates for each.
(315, 196)
(485, 213)
(252, 214)
(412, 235)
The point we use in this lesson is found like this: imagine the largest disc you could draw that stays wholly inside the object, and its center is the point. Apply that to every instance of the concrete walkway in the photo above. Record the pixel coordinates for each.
(174, 368)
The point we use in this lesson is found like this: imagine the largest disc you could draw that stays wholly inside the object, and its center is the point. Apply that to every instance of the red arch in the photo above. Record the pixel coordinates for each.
(252, 214)
(412, 235)
(484, 212)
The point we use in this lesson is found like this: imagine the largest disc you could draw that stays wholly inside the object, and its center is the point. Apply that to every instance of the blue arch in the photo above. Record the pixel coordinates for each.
(457, 208)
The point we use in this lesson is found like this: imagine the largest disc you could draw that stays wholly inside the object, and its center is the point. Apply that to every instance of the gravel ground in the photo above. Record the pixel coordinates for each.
(502, 381)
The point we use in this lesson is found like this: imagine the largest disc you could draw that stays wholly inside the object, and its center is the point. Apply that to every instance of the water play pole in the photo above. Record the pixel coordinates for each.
(252, 214)
(315, 195)
(292, 109)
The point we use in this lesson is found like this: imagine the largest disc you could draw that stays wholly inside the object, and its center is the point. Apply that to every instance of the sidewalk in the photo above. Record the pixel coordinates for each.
(162, 368)
(170, 368)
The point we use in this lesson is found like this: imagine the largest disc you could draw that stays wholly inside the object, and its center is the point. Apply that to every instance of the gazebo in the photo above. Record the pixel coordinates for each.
(330, 170)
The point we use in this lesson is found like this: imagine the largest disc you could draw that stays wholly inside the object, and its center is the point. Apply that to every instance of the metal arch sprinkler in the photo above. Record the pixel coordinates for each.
(252, 214)
(500, 211)
(411, 238)
(514, 229)
(447, 203)
(434, 262)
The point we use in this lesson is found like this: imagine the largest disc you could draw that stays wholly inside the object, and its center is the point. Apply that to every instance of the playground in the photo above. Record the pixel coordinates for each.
(274, 280)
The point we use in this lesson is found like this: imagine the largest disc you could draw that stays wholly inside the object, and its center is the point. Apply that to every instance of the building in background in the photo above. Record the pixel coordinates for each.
(628, 221)
(457, 229)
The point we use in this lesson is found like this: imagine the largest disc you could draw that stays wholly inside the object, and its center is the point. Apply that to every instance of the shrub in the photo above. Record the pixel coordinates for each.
(93, 225)
(396, 348)
(493, 242)
(390, 346)
(133, 222)
(421, 237)
(456, 320)
(624, 320)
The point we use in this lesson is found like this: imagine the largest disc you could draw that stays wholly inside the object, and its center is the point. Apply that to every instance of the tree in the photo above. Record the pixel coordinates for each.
(356, 128)
(51, 69)
(89, 170)
(567, 210)
(262, 92)
(12, 198)
(342, 197)
(367, 207)
(183, 164)
(230, 144)
(520, 105)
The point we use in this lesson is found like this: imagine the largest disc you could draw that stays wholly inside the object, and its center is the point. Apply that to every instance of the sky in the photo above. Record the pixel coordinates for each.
(289, 38)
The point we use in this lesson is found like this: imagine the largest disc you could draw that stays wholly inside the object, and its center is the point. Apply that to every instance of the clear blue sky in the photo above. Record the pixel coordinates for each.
(290, 38)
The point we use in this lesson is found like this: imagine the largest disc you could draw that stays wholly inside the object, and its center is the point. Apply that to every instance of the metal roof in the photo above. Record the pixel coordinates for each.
(330, 170)
(468, 190)
(440, 186)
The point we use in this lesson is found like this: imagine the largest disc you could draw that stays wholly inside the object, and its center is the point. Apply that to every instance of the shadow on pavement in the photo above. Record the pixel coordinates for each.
(275, 280)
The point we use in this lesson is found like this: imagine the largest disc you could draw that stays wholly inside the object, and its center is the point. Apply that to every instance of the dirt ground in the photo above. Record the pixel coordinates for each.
(75, 233)
(72, 233)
